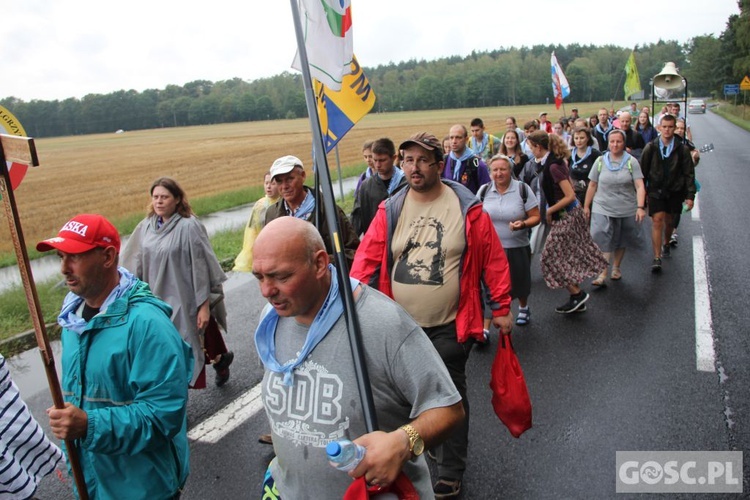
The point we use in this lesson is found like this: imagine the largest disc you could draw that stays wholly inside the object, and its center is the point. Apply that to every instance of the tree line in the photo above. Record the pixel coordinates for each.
(502, 77)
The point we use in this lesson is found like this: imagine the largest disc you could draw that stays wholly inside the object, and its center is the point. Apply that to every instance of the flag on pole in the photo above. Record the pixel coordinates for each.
(327, 29)
(339, 111)
(560, 87)
(632, 80)
(319, 157)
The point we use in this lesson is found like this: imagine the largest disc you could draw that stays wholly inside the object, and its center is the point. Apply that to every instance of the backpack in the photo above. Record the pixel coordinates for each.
(485, 187)
(471, 172)
(600, 160)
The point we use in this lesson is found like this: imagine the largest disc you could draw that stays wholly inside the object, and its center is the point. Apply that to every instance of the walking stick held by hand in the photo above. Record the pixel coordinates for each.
(21, 151)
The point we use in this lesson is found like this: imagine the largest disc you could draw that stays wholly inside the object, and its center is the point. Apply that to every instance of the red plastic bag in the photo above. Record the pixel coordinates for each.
(510, 396)
(401, 487)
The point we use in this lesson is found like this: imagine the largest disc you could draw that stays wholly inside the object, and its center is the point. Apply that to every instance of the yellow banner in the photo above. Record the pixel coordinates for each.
(338, 111)
(632, 80)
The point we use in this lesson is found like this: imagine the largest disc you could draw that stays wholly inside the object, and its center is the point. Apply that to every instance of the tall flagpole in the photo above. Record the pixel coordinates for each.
(321, 169)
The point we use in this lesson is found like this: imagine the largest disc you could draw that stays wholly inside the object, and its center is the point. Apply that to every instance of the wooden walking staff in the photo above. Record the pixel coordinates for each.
(21, 150)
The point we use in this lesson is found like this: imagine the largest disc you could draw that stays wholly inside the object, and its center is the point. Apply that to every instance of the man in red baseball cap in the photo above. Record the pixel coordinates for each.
(83, 233)
(125, 370)
(76, 243)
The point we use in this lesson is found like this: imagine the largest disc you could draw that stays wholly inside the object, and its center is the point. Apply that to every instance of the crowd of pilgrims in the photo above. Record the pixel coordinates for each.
(573, 191)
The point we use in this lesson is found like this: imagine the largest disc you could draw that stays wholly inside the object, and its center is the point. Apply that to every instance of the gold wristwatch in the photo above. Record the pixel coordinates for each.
(416, 444)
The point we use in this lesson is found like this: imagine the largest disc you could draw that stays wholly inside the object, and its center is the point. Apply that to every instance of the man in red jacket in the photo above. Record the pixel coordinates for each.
(430, 247)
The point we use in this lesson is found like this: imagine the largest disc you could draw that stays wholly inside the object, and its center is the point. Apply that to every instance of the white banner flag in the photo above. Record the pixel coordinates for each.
(327, 28)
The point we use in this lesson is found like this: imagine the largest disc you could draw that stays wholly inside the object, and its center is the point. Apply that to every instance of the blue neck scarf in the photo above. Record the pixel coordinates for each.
(478, 148)
(468, 153)
(68, 317)
(623, 161)
(577, 160)
(398, 174)
(265, 334)
(305, 209)
(605, 133)
(665, 151)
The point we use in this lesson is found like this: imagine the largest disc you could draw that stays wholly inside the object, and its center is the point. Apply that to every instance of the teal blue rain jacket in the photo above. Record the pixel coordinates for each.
(128, 368)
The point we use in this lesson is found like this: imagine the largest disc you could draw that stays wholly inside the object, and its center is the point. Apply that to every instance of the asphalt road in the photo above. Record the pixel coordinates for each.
(621, 376)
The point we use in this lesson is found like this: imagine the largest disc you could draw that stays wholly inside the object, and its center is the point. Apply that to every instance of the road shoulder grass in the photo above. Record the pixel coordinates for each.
(734, 114)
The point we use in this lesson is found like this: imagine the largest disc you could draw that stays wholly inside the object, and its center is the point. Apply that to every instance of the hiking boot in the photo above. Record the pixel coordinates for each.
(666, 251)
(574, 303)
(224, 361)
(656, 266)
(222, 377)
(447, 488)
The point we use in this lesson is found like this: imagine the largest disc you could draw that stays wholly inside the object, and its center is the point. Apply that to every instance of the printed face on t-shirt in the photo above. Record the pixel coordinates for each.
(423, 258)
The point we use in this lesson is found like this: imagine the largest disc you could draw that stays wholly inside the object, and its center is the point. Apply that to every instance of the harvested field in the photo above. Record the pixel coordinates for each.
(110, 174)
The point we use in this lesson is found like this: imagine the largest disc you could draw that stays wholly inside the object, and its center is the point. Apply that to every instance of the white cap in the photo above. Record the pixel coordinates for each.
(284, 165)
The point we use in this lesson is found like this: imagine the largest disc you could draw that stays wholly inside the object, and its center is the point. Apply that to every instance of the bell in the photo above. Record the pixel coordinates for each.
(669, 78)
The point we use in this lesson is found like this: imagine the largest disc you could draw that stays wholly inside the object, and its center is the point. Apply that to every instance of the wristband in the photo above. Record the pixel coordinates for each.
(641, 208)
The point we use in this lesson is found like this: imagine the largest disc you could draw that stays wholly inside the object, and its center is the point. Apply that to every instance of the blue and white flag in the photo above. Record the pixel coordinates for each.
(560, 86)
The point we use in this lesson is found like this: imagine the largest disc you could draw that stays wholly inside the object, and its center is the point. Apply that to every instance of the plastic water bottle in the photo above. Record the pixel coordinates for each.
(344, 454)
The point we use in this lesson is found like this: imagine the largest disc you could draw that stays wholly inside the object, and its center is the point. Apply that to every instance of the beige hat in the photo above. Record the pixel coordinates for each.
(284, 165)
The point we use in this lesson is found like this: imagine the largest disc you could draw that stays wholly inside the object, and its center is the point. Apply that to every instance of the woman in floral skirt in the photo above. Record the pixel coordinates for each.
(569, 254)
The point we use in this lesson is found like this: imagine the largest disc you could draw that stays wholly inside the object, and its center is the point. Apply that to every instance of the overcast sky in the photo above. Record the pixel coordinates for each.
(71, 48)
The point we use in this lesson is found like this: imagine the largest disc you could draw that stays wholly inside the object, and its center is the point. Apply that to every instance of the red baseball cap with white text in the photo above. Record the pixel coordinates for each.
(82, 233)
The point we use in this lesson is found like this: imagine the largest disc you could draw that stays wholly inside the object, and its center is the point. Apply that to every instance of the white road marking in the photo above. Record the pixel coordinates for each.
(704, 332)
(228, 418)
(696, 212)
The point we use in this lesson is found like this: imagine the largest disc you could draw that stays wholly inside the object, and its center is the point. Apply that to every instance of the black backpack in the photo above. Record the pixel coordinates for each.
(471, 170)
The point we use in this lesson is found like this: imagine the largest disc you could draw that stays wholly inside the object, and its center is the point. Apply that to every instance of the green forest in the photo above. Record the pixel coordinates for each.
(506, 76)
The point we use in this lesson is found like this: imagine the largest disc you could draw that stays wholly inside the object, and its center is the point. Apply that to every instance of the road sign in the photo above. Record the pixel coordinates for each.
(745, 83)
(10, 125)
(732, 89)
